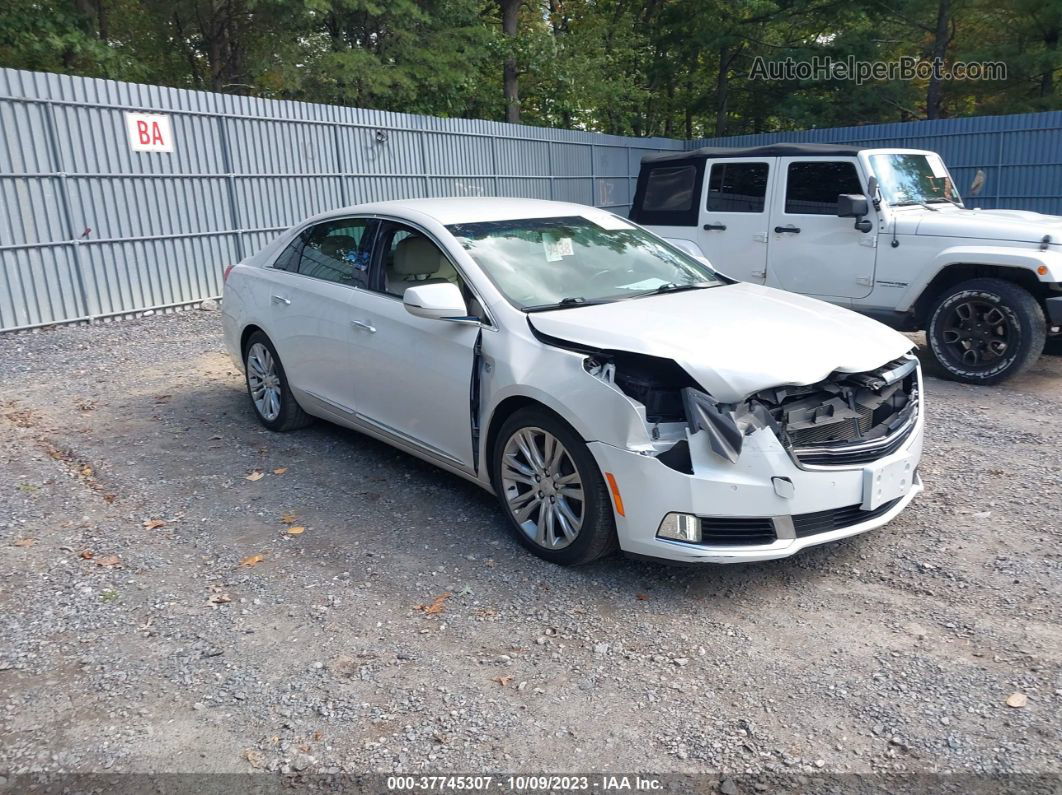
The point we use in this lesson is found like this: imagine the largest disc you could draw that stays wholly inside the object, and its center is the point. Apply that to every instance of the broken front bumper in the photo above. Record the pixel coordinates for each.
(742, 513)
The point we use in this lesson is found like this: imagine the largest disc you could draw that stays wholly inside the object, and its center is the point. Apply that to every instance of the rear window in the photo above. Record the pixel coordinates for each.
(669, 190)
(668, 194)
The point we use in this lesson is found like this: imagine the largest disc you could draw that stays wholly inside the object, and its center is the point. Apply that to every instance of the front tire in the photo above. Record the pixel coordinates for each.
(267, 387)
(551, 489)
(984, 331)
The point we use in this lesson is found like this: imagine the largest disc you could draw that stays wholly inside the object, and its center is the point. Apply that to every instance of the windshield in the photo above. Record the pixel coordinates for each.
(545, 263)
(913, 179)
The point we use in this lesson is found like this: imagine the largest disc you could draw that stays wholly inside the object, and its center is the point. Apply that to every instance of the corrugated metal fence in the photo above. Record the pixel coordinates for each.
(91, 229)
(1021, 155)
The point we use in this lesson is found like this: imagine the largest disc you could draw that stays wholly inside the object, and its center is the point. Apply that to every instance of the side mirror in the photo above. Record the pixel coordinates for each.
(442, 301)
(978, 183)
(852, 205)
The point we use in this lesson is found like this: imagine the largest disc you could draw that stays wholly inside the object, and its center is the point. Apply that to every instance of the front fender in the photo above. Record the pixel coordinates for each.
(1002, 256)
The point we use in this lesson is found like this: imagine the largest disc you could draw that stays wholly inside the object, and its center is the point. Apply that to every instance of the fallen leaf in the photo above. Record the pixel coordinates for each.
(254, 758)
(502, 680)
(108, 561)
(288, 518)
(642, 597)
(317, 736)
(219, 598)
(1017, 700)
(86, 471)
(252, 560)
(296, 531)
(255, 475)
(25, 542)
(162, 398)
(437, 605)
(109, 498)
(87, 554)
(280, 470)
(152, 524)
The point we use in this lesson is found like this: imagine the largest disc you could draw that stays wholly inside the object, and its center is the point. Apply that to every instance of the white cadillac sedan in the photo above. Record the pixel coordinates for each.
(611, 390)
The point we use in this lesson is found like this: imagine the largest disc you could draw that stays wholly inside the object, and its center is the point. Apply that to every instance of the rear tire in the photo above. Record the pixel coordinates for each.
(268, 389)
(539, 465)
(984, 331)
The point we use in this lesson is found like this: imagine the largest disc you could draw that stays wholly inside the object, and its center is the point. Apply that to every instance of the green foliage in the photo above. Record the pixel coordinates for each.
(645, 67)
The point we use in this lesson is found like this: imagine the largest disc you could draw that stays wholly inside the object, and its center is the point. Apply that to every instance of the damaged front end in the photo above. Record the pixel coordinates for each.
(848, 419)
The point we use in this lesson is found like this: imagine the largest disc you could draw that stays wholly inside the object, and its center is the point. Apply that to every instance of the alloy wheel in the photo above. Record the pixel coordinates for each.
(542, 488)
(264, 381)
(976, 333)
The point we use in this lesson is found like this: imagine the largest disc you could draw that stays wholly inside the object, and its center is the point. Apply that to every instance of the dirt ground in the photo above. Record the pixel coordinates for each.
(181, 590)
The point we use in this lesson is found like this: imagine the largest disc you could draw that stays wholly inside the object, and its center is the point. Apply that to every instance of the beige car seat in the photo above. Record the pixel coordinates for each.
(417, 261)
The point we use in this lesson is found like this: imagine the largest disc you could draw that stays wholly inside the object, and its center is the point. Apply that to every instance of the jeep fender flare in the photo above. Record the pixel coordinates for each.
(1027, 260)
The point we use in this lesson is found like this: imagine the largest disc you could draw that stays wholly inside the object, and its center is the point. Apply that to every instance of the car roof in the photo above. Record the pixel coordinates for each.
(770, 150)
(458, 210)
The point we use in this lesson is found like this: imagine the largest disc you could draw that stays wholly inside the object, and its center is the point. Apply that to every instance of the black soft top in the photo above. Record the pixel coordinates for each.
(770, 150)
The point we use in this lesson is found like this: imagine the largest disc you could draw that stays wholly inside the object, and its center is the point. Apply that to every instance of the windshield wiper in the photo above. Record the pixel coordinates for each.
(911, 202)
(568, 303)
(945, 199)
(674, 287)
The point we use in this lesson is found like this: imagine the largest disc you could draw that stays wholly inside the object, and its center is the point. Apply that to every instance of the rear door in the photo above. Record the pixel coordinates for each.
(734, 217)
(311, 303)
(810, 249)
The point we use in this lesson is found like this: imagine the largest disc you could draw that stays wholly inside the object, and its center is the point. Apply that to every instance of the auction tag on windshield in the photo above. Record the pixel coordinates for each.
(557, 250)
(606, 221)
(936, 165)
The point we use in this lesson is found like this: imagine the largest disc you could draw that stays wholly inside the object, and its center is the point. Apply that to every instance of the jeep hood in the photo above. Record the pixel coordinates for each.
(733, 340)
(1018, 226)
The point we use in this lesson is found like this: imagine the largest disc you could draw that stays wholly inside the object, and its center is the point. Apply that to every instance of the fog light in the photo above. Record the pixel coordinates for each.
(681, 527)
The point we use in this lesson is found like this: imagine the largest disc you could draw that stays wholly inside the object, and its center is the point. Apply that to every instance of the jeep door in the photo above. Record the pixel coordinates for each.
(810, 249)
(734, 217)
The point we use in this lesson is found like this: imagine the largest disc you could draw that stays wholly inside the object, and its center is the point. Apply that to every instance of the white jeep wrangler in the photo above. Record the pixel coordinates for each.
(881, 231)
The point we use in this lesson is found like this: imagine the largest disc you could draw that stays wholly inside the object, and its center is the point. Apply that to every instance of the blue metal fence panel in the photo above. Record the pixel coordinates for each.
(1021, 154)
(90, 228)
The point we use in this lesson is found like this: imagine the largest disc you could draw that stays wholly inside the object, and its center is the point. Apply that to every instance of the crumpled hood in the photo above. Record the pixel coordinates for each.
(1018, 226)
(733, 340)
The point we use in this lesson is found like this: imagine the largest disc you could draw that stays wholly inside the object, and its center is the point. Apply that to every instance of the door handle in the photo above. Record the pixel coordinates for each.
(710, 227)
(790, 229)
(279, 299)
(365, 326)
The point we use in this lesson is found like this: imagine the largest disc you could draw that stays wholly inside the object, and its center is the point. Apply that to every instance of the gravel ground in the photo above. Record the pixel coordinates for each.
(134, 640)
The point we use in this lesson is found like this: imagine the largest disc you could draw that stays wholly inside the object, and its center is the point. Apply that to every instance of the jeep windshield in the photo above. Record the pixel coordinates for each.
(557, 263)
(906, 179)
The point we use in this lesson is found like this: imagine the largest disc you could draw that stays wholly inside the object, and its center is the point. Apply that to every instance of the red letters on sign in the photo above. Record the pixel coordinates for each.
(154, 136)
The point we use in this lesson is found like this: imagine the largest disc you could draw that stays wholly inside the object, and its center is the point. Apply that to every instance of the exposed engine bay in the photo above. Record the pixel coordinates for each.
(846, 419)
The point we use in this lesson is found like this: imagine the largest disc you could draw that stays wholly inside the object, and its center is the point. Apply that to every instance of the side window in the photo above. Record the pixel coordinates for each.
(812, 186)
(670, 189)
(337, 251)
(737, 188)
(289, 257)
(408, 259)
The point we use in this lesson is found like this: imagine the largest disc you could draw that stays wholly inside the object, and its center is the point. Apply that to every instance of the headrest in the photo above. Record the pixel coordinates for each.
(417, 256)
(336, 246)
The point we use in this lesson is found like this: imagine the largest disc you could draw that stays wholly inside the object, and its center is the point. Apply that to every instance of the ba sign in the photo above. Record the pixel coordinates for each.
(149, 132)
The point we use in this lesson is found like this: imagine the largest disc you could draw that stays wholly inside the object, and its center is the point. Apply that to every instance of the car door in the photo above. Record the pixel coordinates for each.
(810, 249)
(413, 375)
(734, 216)
(310, 306)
